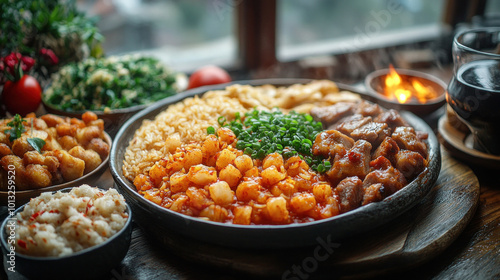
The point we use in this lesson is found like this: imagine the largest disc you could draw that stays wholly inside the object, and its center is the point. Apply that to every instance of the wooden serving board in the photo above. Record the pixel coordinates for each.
(412, 239)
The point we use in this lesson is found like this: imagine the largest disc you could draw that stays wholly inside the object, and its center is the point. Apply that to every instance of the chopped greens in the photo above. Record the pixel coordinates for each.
(17, 128)
(110, 83)
(260, 133)
(210, 130)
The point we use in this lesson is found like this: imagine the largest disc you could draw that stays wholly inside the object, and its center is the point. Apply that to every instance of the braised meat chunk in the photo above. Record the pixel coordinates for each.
(351, 123)
(372, 132)
(388, 149)
(384, 173)
(356, 162)
(330, 143)
(367, 108)
(407, 139)
(373, 193)
(350, 192)
(331, 114)
(409, 163)
(392, 118)
(380, 163)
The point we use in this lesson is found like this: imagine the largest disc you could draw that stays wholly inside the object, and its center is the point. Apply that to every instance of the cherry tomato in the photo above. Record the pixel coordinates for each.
(208, 75)
(22, 97)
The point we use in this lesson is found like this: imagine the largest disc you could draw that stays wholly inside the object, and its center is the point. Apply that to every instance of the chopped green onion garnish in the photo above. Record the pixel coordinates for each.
(210, 130)
(260, 133)
(221, 120)
(248, 151)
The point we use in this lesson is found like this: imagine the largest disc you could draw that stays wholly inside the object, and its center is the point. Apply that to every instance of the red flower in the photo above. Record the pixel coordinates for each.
(14, 65)
(27, 63)
(50, 56)
(11, 61)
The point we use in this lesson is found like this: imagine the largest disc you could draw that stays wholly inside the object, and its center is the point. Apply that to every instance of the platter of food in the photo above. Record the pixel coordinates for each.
(272, 163)
(49, 153)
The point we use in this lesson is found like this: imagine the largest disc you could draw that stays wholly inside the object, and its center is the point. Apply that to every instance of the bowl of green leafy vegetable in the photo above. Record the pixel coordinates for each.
(114, 88)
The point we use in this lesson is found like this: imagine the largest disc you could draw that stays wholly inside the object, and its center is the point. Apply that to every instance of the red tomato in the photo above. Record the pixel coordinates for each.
(208, 75)
(22, 97)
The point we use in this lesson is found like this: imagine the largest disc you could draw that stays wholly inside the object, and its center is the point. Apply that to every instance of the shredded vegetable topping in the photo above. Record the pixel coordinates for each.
(114, 82)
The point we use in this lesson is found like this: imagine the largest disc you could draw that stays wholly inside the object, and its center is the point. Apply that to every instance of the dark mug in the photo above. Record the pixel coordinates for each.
(474, 91)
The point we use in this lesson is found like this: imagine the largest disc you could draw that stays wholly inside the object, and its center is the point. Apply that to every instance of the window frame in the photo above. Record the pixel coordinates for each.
(257, 23)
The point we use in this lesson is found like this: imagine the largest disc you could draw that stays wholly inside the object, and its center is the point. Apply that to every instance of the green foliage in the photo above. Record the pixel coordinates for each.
(36, 143)
(27, 25)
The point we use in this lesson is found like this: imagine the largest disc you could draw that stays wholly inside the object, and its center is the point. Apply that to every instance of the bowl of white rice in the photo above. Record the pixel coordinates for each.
(76, 233)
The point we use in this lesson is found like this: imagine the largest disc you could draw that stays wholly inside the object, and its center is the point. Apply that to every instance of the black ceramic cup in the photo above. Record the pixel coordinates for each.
(474, 91)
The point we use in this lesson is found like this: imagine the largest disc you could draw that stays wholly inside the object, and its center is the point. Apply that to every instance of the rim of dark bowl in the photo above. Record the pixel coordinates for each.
(408, 192)
(49, 107)
(4, 236)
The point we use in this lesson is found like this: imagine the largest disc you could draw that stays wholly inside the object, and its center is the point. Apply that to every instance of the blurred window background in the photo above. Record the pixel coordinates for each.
(321, 26)
(492, 8)
(184, 34)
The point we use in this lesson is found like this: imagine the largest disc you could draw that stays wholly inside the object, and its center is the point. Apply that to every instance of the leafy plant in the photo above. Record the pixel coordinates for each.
(29, 26)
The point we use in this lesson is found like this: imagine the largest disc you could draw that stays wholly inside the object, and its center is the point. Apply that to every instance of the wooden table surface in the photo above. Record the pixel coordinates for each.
(476, 252)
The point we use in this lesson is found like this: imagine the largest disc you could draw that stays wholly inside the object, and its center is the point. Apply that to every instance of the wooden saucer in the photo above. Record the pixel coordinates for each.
(459, 145)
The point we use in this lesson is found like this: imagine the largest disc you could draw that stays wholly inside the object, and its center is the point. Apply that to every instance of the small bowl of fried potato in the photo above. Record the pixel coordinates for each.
(49, 153)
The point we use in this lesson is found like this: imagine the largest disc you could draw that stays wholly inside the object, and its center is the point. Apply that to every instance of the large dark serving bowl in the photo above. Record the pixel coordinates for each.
(158, 221)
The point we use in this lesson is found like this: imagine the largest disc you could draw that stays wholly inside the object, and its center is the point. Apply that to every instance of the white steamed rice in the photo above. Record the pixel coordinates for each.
(64, 223)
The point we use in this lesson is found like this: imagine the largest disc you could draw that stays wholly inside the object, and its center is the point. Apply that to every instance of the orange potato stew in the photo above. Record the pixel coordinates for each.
(215, 181)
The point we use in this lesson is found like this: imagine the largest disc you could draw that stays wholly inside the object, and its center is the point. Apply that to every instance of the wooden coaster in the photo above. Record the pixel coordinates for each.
(459, 145)
(412, 239)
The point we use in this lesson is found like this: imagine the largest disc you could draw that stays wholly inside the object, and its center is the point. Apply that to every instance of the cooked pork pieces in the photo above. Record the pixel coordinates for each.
(332, 114)
(373, 152)
(356, 162)
(332, 142)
